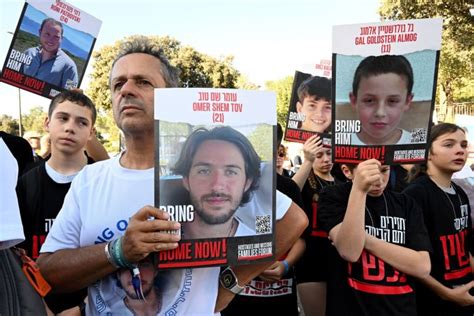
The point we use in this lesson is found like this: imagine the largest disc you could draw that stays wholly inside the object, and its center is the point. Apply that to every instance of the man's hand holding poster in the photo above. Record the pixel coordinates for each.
(51, 47)
(214, 174)
(385, 82)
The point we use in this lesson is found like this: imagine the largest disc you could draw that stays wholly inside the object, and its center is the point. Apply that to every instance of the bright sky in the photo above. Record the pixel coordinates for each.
(269, 39)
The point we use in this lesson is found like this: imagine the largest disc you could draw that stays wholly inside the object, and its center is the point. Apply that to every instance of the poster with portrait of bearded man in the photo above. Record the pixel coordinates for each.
(214, 173)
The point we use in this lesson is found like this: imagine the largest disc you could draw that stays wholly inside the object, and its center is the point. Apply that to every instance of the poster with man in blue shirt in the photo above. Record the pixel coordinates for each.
(51, 47)
(48, 61)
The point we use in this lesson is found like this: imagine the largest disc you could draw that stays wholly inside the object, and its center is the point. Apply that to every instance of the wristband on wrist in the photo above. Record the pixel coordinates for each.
(110, 258)
(126, 263)
(287, 266)
(115, 253)
(118, 256)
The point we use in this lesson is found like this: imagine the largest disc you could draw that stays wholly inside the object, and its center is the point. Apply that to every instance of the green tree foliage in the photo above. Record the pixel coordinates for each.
(108, 133)
(262, 141)
(244, 83)
(34, 120)
(455, 76)
(282, 88)
(197, 70)
(9, 125)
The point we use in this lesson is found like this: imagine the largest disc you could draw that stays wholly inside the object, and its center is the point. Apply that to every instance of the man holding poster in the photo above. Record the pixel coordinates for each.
(107, 223)
(48, 62)
(220, 170)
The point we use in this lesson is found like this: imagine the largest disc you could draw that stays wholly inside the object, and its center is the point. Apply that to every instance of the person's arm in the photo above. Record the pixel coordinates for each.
(459, 295)
(95, 149)
(349, 235)
(288, 230)
(471, 262)
(409, 261)
(277, 270)
(310, 147)
(67, 270)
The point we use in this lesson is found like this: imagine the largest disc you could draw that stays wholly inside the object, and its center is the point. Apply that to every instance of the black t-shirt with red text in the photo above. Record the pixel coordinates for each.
(313, 266)
(371, 286)
(310, 193)
(449, 227)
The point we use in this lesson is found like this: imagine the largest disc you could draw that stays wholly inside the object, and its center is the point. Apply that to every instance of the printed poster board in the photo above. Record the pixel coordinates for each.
(323, 68)
(214, 173)
(384, 90)
(309, 111)
(51, 47)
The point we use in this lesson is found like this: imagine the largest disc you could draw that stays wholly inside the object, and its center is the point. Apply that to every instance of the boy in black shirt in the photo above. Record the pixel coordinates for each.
(41, 191)
(380, 239)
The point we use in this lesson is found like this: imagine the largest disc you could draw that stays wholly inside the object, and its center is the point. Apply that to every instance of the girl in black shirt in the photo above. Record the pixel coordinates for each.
(446, 291)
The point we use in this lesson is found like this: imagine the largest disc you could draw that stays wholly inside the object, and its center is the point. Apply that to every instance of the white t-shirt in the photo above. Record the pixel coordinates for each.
(405, 138)
(260, 204)
(11, 229)
(243, 230)
(97, 208)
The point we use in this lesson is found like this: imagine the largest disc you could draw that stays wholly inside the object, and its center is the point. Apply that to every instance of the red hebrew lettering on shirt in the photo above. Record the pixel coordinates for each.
(372, 275)
(456, 259)
(315, 231)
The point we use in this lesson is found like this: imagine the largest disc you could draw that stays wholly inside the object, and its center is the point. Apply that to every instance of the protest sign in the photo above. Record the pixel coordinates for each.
(214, 173)
(51, 47)
(309, 111)
(384, 90)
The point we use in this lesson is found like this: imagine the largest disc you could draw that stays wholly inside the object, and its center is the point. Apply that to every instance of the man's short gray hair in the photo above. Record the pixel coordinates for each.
(145, 45)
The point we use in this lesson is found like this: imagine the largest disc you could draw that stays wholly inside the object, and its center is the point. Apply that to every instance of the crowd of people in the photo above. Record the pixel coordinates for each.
(351, 239)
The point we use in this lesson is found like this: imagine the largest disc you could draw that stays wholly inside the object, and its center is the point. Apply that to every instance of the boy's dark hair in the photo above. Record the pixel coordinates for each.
(317, 87)
(75, 97)
(55, 22)
(378, 65)
(227, 134)
(436, 132)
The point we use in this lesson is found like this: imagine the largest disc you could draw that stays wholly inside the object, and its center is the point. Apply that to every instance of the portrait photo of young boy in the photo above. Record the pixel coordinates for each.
(381, 94)
(310, 109)
(384, 84)
(314, 102)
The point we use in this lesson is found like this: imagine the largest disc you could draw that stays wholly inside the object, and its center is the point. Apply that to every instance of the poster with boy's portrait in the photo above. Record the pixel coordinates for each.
(51, 47)
(384, 90)
(214, 173)
(309, 111)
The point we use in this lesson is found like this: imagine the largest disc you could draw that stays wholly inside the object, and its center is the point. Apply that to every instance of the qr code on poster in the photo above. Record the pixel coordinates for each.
(418, 135)
(263, 224)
